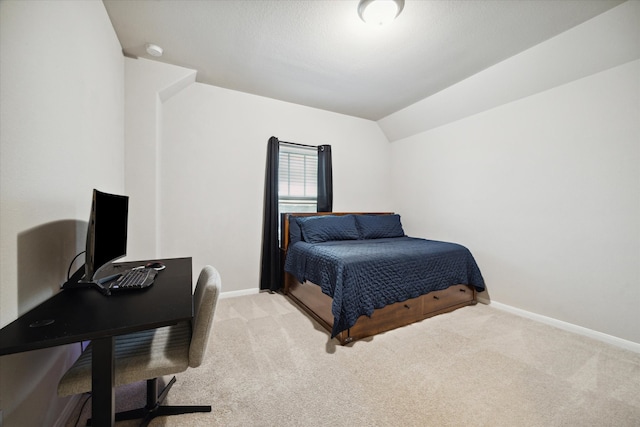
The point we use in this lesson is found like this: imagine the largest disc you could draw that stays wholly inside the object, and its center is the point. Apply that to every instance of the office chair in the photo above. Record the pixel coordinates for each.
(147, 355)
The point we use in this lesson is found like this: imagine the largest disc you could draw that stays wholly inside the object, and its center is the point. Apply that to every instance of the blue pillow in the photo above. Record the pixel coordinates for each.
(379, 226)
(295, 234)
(324, 228)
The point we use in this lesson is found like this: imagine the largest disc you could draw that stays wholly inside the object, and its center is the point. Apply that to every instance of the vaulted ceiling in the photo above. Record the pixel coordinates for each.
(320, 54)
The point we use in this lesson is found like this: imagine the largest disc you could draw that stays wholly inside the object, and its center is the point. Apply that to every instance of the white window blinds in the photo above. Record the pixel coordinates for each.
(298, 174)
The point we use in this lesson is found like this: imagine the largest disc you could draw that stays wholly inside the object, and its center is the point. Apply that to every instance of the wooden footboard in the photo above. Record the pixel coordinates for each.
(310, 298)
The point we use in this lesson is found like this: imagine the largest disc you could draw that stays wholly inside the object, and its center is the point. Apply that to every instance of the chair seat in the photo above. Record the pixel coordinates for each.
(138, 356)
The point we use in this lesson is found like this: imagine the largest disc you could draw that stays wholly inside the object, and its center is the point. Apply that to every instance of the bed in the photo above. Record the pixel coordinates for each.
(358, 274)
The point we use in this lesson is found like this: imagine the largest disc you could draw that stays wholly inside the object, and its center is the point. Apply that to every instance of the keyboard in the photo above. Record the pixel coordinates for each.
(136, 278)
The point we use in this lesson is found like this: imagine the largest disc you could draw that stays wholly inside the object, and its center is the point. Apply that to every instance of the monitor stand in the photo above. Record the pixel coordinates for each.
(77, 281)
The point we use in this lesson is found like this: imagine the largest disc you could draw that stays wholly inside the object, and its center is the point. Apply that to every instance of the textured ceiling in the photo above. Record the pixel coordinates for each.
(320, 54)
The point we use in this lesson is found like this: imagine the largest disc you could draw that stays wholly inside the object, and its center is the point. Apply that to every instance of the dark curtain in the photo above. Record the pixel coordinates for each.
(325, 179)
(270, 268)
(270, 263)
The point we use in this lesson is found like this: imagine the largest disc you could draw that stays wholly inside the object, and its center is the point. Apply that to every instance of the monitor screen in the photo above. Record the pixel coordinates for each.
(107, 232)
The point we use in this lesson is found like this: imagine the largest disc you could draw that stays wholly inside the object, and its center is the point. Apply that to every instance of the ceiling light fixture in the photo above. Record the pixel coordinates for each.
(154, 50)
(379, 12)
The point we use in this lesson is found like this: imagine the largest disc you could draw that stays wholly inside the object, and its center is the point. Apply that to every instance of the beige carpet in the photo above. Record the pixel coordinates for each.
(268, 364)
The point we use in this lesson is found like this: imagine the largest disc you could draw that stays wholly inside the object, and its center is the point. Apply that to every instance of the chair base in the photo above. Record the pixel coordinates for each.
(154, 407)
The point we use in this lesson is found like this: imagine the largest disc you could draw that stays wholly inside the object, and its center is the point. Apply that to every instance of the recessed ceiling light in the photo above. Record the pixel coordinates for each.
(154, 50)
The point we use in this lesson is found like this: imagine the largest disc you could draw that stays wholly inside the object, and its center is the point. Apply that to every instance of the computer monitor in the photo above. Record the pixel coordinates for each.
(107, 232)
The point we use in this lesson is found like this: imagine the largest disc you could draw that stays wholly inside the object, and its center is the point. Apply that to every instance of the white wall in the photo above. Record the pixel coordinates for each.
(212, 172)
(61, 134)
(200, 189)
(148, 84)
(545, 191)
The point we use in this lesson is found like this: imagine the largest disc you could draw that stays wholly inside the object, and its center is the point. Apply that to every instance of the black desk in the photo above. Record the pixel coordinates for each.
(86, 314)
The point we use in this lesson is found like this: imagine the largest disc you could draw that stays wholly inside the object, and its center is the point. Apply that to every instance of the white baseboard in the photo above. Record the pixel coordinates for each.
(570, 327)
(243, 292)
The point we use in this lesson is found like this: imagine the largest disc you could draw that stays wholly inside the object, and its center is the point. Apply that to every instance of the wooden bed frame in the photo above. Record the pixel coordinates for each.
(310, 298)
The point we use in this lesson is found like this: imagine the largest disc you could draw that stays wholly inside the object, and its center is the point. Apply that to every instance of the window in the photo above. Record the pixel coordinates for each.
(294, 188)
(297, 179)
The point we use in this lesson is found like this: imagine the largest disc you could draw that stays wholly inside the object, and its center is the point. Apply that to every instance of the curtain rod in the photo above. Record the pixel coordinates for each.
(299, 145)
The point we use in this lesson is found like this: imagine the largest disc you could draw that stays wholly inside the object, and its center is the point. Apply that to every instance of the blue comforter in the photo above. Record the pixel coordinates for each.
(362, 275)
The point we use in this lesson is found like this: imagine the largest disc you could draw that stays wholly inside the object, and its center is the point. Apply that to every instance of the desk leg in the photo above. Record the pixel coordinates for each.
(102, 382)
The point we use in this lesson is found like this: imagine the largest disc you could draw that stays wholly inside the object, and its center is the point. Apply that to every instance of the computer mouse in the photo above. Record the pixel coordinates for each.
(156, 266)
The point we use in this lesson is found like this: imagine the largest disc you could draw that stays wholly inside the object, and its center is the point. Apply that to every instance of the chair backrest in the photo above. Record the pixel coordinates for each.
(205, 299)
